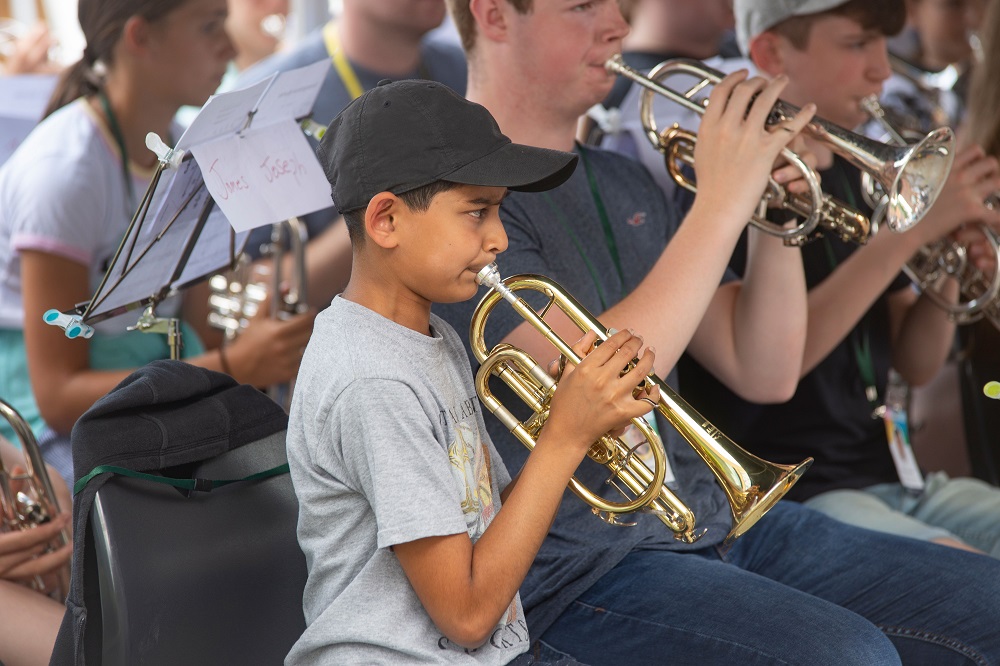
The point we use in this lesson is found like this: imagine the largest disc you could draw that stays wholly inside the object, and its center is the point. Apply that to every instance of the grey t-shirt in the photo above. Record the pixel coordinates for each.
(559, 234)
(386, 445)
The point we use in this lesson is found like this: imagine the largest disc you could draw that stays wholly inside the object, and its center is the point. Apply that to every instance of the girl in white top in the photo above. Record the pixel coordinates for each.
(66, 198)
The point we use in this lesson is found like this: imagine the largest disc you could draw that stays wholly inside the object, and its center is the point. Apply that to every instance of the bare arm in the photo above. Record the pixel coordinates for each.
(467, 587)
(64, 384)
(839, 302)
(679, 299)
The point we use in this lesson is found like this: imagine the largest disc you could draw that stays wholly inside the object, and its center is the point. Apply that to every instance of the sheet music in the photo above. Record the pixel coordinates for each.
(292, 94)
(257, 164)
(268, 174)
(22, 103)
(255, 171)
(224, 114)
(159, 244)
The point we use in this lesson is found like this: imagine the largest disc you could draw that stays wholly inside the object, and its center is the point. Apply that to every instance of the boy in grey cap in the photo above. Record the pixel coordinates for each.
(864, 315)
(410, 556)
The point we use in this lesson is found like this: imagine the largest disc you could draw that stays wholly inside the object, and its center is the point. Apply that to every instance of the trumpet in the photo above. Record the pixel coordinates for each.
(236, 297)
(912, 174)
(37, 503)
(751, 484)
(943, 257)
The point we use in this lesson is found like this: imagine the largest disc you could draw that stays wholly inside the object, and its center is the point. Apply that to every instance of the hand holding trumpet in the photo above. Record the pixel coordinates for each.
(600, 395)
(736, 149)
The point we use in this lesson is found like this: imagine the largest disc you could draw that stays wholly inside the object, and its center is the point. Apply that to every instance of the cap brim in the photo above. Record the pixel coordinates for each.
(517, 167)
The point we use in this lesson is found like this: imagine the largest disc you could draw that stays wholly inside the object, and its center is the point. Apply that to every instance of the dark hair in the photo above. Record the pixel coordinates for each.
(885, 16)
(102, 22)
(465, 22)
(418, 200)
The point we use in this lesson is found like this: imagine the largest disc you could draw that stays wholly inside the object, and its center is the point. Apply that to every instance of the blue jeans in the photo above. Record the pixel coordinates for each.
(798, 588)
(964, 509)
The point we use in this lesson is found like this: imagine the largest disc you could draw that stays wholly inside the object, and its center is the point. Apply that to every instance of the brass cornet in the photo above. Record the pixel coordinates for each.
(912, 174)
(236, 298)
(752, 485)
(37, 503)
(980, 295)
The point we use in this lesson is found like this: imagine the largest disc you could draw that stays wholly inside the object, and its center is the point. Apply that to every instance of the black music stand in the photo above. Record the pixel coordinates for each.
(179, 235)
(177, 238)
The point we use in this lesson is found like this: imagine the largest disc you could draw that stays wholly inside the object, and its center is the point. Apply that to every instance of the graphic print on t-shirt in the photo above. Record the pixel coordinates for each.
(470, 465)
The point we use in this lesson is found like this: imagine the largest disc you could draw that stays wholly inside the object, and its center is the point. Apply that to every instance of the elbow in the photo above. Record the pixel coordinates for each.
(56, 415)
(770, 391)
(470, 630)
(469, 634)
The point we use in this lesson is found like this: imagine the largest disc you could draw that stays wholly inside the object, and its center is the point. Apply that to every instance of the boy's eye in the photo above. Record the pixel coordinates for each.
(583, 6)
(478, 214)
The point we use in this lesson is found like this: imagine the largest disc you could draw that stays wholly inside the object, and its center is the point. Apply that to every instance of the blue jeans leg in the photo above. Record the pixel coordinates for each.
(799, 588)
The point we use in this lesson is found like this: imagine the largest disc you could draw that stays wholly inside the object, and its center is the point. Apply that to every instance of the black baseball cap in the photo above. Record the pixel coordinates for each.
(402, 135)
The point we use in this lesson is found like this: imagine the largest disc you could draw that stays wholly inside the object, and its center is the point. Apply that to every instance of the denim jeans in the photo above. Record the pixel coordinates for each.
(964, 509)
(798, 588)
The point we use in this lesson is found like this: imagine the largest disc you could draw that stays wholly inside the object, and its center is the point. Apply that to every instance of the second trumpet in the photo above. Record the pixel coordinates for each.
(912, 175)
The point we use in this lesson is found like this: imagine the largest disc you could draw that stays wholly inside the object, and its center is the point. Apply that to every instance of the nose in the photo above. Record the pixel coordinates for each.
(227, 50)
(617, 26)
(879, 68)
(495, 241)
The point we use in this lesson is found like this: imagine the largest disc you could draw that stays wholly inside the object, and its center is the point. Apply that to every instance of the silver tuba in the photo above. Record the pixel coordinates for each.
(912, 174)
(36, 503)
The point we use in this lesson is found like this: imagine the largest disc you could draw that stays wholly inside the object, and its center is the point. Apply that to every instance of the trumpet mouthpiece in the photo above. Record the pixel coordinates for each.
(488, 276)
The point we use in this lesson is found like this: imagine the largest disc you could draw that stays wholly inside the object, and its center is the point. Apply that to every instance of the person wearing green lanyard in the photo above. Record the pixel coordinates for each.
(67, 196)
(369, 40)
(864, 316)
(798, 587)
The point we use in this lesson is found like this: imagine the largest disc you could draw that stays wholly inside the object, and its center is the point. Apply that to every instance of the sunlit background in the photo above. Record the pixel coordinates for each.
(61, 18)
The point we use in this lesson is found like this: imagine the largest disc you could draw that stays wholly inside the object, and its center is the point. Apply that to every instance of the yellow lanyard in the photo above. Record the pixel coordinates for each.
(344, 69)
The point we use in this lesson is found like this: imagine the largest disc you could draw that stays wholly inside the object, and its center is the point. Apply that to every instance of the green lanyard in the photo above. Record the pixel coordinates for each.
(609, 237)
(860, 337)
(116, 132)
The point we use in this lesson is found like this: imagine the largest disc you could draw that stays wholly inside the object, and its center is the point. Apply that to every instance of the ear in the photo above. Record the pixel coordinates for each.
(135, 34)
(380, 223)
(491, 18)
(767, 53)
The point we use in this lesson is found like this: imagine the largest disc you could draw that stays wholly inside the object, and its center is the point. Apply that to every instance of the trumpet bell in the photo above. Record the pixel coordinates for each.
(913, 177)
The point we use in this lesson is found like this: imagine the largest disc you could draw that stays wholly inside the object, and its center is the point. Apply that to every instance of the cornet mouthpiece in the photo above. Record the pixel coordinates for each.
(489, 276)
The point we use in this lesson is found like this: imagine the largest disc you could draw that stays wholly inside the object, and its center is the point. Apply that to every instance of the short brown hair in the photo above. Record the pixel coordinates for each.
(418, 200)
(885, 16)
(465, 22)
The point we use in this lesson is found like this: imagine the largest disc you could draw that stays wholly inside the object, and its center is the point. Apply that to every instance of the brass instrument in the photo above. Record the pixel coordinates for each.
(931, 86)
(913, 174)
(37, 503)
(236, 297)
(752, 485)
(943, 257)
